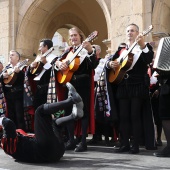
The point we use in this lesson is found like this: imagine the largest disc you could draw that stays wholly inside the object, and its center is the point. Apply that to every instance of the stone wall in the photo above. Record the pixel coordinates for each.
(4, 30)
(23, 23)
(126, 12)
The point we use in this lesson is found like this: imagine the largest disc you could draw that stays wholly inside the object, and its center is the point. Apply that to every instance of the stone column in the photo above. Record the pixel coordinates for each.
(4, 31)
(108, 45)
(8, 27)
(125, 13)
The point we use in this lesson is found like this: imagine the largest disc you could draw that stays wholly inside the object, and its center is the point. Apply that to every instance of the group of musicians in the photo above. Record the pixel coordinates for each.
(126, 88)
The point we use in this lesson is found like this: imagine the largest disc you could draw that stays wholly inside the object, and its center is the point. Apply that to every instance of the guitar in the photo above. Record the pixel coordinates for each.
(40, 65)
(73, 61)
(125, 61)
(12, 76)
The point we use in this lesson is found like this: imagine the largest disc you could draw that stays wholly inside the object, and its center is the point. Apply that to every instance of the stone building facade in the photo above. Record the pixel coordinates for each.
(24, 22)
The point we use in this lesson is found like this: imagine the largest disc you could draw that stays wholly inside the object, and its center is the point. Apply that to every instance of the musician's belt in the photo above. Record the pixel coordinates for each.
(42, 86)
(14, 89)
(80, 76)
(126, 76)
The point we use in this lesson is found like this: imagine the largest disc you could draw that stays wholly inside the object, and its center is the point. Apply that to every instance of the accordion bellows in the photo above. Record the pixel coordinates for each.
(162, 59)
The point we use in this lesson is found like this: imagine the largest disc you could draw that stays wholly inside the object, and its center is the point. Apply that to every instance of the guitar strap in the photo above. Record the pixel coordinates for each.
(9, 66)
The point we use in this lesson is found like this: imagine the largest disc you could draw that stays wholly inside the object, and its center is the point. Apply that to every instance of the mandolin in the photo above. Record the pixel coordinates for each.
(39, 67)
(125, 61)
(12, 75)
(73, 61)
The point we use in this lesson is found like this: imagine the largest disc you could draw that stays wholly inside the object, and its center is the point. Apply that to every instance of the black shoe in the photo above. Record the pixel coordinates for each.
(134, 150)
(164, 153)
(77, 110)
(73, 94)
(158, 142)
(123, 149)
(78, 140)
(81, 147)
(107, 143)
(70, 145)
(117, 144)
(92, 141)
(99, 138)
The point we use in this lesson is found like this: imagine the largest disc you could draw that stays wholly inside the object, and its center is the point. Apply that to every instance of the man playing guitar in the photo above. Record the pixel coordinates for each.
(82, 80)
(132, 93)
(42, 82)
(14, 91)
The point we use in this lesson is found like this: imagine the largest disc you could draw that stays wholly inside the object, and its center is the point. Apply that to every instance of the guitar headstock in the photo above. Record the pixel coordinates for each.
(92, 36)
(150, 28)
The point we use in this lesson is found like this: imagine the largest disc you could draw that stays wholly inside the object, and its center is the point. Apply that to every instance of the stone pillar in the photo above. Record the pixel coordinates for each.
(13, 21)
(4, 31)
(108, 45)
(125, 13)
(8, 27)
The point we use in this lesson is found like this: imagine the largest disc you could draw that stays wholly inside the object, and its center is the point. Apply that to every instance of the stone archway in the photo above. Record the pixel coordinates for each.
(160, 18)
(39, 19)
(32, 15)
(60, 21)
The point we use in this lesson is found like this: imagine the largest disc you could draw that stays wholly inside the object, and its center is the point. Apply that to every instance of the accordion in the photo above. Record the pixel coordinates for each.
(162, 59)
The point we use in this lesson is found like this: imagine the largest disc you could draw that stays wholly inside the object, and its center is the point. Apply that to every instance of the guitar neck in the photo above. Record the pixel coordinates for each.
(44, 55)
(127, 52)
(23, 63)
(131, 47)
(75, 54)
(48, 52)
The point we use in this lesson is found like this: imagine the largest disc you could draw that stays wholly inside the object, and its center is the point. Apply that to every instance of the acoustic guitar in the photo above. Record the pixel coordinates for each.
(125, 61)
(39, 67)
(12, 75)
(73, 61)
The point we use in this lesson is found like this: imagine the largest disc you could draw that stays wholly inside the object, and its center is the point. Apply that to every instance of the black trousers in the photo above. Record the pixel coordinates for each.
(85, 95)
(46, 146)
(130, 120)
(15, 108)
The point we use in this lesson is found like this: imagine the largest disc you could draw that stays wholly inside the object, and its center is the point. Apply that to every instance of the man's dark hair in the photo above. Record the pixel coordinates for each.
(47, 42)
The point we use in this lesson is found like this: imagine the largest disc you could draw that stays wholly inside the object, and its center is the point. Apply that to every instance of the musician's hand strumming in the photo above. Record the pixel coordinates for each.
(5, 75)
(33, 64)
(62, 65)
(113, 64)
